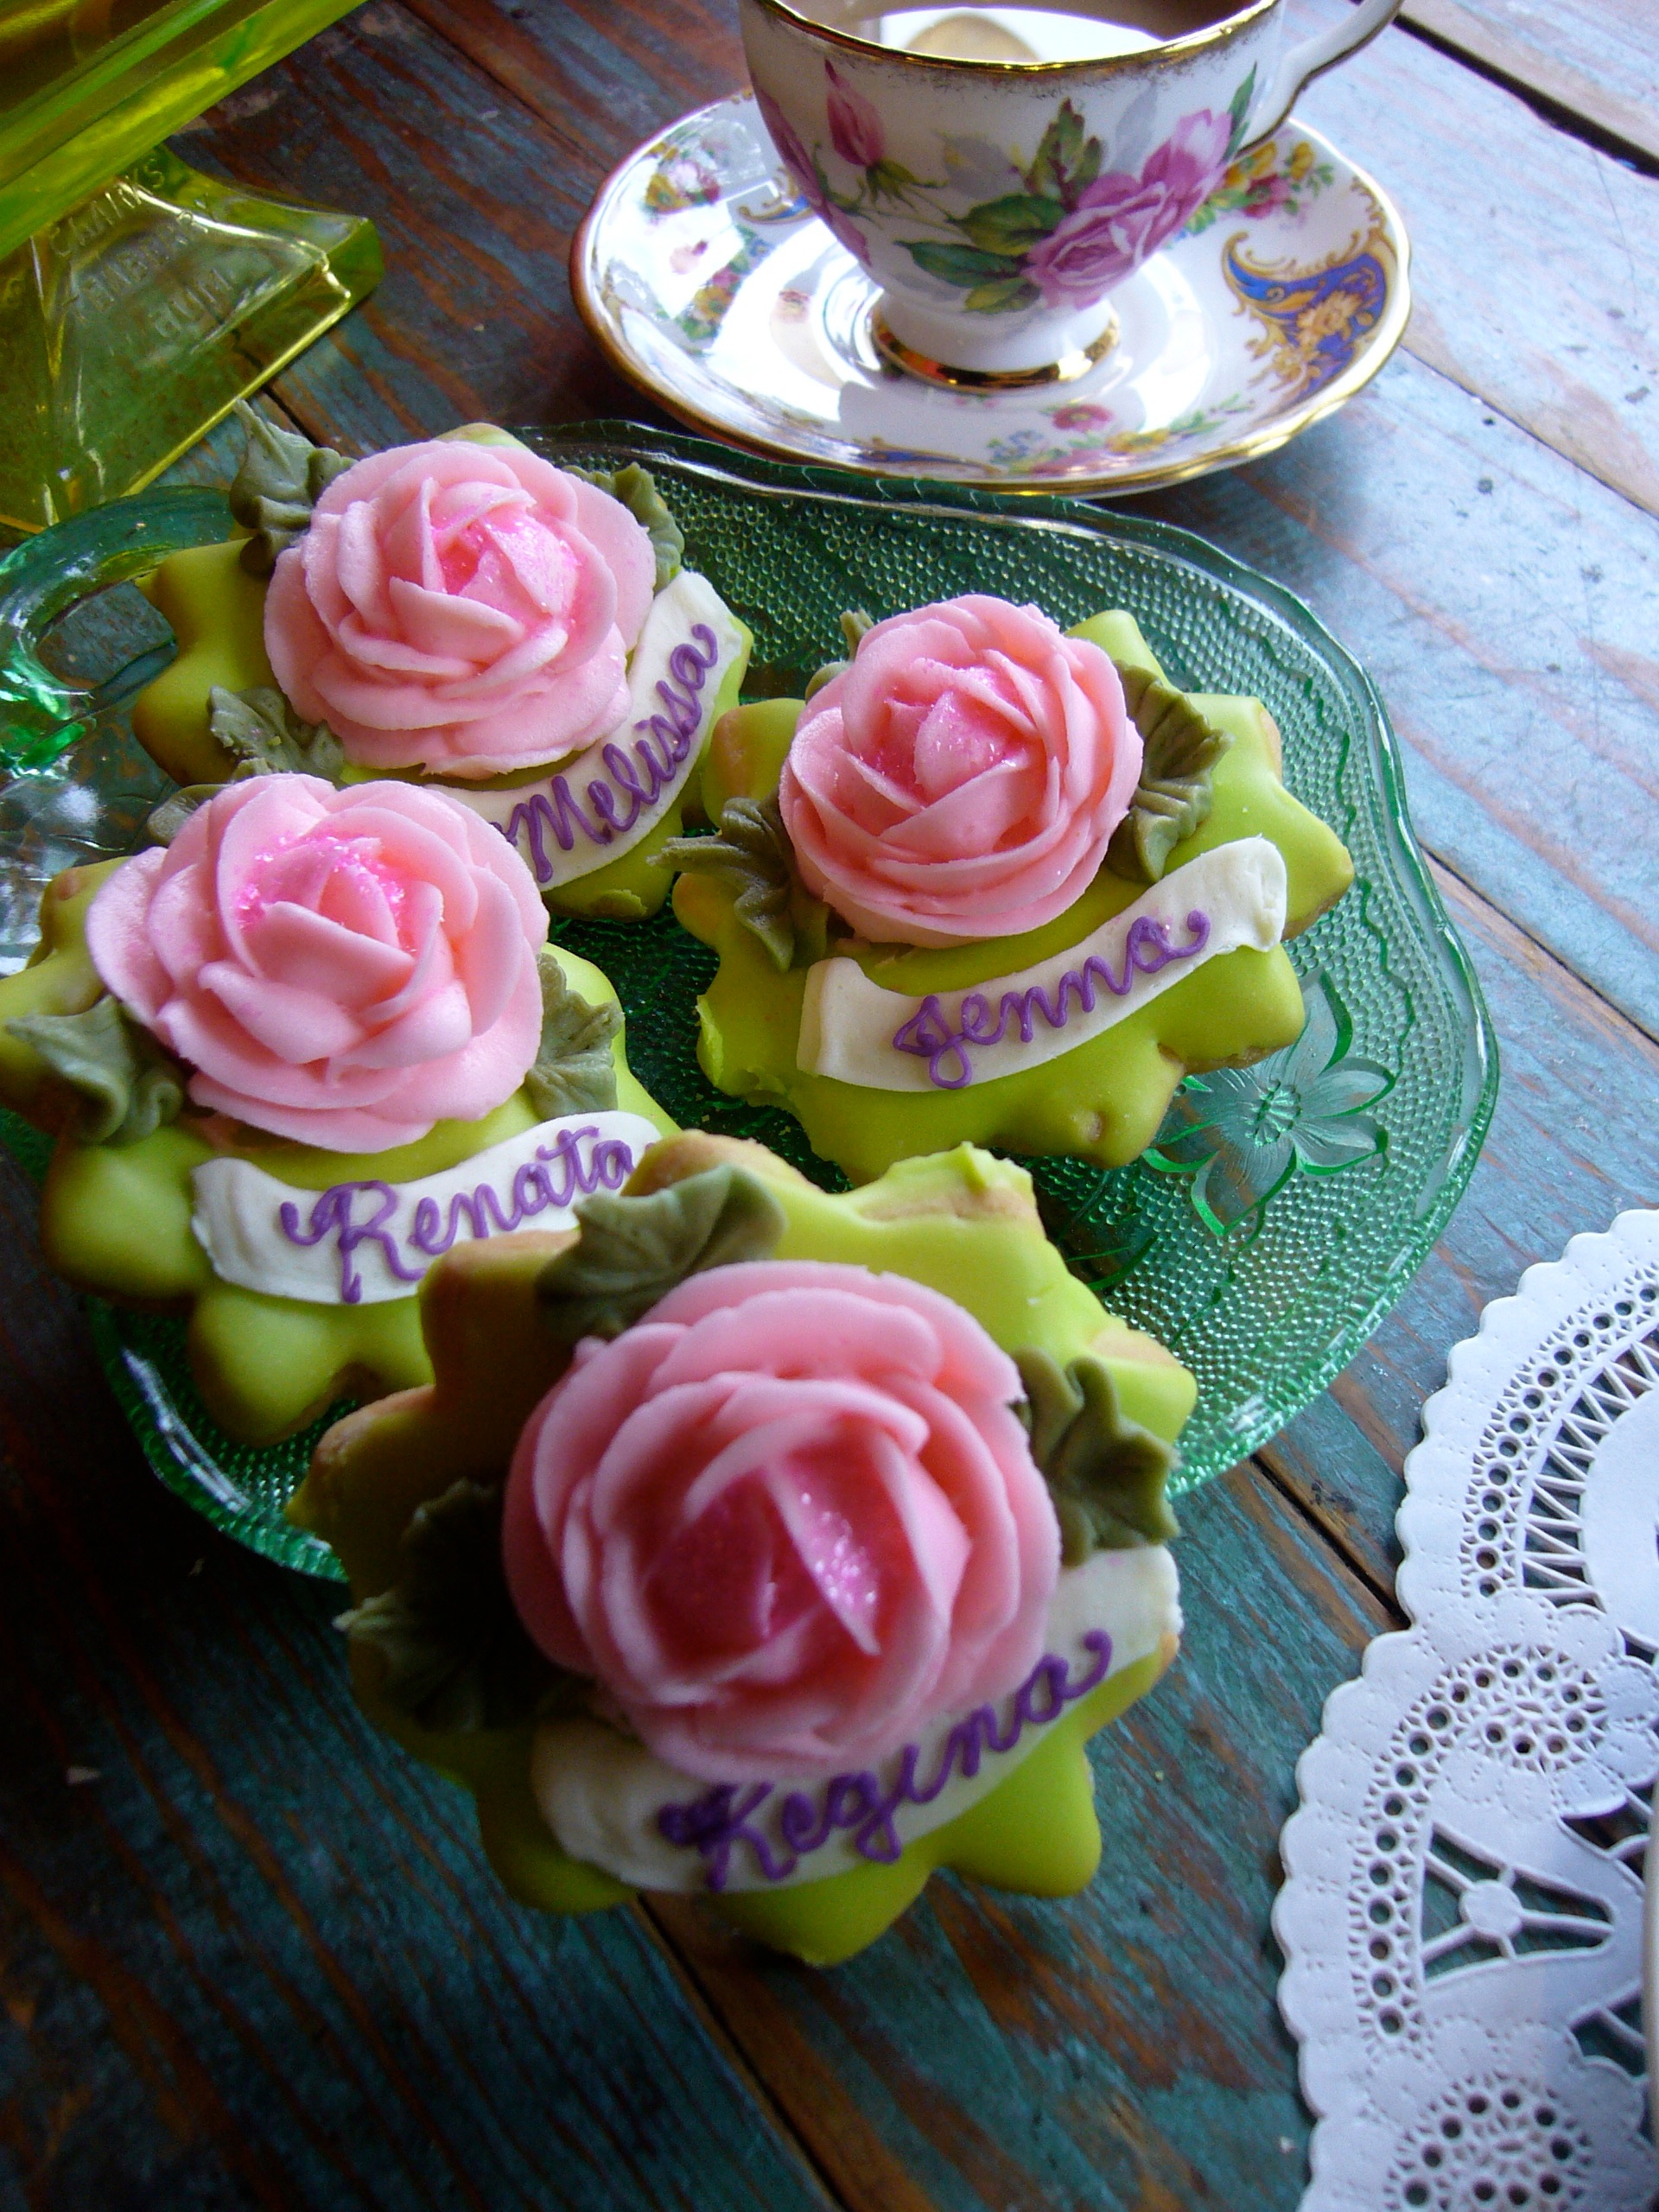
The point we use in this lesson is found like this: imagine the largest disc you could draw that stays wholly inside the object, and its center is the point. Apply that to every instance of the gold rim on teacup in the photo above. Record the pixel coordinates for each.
(1161, 51)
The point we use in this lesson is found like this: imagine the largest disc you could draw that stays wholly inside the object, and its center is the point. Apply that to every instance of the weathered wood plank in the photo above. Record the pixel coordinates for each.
(1539, 301)
(1597, 58)
(1502, 600)
(1535, 257)
(475, 204)
(1122, 2049)
(258, 1958)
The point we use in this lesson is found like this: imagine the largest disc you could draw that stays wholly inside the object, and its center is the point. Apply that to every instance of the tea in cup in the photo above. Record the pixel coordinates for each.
(999, 171)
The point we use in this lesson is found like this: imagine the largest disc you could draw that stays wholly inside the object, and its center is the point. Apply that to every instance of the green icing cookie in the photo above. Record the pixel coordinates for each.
(963, 1224)
(216, 610)
(115, 1218)
(1105, 1098)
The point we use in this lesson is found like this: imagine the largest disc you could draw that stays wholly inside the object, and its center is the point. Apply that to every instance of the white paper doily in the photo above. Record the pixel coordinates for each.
(1462, 1910)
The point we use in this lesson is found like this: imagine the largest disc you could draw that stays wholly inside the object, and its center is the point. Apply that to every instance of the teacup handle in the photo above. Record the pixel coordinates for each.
(1313, 56)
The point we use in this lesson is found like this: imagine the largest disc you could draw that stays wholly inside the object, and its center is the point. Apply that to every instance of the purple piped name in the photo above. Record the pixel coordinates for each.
(928, 1035)
(716, 1824)
(555, 1177)
(636, 784)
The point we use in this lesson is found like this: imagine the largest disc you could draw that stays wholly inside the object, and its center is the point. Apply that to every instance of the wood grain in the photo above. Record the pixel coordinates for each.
(256, 1956)
(1535, 257)
(1541, 301)
(1597, 58)
(1501, 600)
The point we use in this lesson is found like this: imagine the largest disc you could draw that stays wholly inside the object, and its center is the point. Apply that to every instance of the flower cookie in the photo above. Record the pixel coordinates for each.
(786, 1547)
(997, 883)
(457, 612)
(292, 1057)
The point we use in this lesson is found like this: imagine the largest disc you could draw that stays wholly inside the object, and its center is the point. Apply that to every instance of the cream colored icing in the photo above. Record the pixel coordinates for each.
(379, 1238)
(849, 1023)
(582, 815)
(602, 1793)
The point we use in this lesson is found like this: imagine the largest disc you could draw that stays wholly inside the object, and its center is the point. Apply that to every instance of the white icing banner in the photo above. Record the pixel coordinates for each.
(601, 804)
(362, 1243)
(611, 1801)
(856, 1031)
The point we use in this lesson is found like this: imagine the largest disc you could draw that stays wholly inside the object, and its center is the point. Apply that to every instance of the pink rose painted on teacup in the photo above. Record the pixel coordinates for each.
(804, 171)
(963, 778)
(855, 130)
(344, 968)
(459, 606)
(785, 1520)
(1119, 221)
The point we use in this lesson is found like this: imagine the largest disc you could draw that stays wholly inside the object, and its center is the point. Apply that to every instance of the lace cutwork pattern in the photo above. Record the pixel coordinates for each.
(1462, 1910)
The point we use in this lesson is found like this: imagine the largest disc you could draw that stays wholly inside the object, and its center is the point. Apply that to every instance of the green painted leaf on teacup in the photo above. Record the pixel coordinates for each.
(575, 1068)
(1066, 162)
(1175, 791)
(282, 477)
(959, 265)
(453, 1654)
(1105, 1473)
(1011, 225)
(1006, 294)
(633, 1251)
(1239, 111)
(126, 1084)
(636, 488)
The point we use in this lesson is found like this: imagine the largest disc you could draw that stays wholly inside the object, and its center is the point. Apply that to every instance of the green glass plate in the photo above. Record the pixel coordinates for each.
(1284, 1207)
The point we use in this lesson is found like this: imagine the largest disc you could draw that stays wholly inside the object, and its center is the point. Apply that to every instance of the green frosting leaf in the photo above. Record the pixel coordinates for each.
(852, 627)
(573, 1070)
(636, 487)
(264, 733)
(753, 850)
(1105, 1473)
(455, 1655)
(1175, 792)
(634, 1250)
(128, 1086)
(282, 477)
(164, 822)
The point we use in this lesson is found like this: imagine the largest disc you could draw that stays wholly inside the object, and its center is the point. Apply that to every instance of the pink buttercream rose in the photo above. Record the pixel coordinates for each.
(785, 1519)
(344, 968)
(1119, 220)
(463, 608)
(963, 777)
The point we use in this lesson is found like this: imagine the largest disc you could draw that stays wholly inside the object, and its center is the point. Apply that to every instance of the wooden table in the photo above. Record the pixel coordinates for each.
(249, 1954)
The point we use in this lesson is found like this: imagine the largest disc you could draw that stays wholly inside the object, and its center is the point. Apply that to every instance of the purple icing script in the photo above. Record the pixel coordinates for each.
(716, 1823)
(928, 1035)
(554, 1177)
(560, 811)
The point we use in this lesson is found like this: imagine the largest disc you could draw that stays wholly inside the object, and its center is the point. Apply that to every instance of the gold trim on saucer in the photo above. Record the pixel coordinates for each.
(1066, 369)
(604, 328)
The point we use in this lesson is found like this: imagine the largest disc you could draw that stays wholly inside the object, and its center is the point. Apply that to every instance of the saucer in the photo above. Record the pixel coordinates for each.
(709, 281)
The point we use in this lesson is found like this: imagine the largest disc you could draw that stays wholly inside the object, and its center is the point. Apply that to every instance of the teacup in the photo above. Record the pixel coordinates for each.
(997, 202)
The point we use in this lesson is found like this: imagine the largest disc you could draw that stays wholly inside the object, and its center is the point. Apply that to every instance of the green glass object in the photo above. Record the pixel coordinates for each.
(1279, 1215)
(139, 299)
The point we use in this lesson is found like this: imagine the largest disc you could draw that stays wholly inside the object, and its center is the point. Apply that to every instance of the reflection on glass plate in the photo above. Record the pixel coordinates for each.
(1283, 1208)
